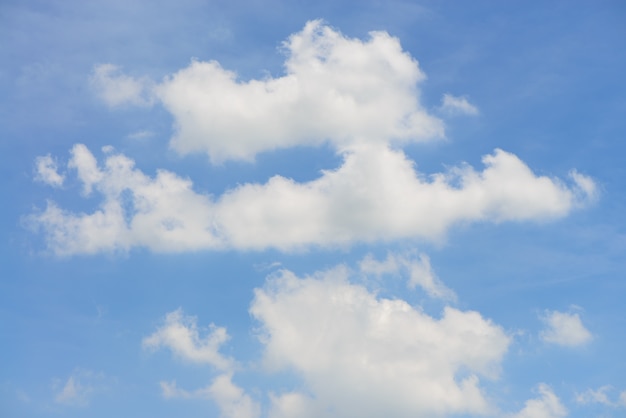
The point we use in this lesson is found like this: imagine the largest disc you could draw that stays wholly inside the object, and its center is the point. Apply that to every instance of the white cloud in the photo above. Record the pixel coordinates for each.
(79, 387)
(180, 334)
(375, 195)
(47, 171)
(360, 355)
(595, 396)
(420, 273)
(336, 89)
(457, 105)
(565, 329)
(232, 401)
(117, 89)
(601, 396)
(547, 405)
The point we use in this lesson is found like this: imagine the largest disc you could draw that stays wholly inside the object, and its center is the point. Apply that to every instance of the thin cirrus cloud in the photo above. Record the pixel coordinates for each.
(376, 194)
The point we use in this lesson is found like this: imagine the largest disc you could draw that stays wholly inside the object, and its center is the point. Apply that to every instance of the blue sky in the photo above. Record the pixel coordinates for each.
(284, 209)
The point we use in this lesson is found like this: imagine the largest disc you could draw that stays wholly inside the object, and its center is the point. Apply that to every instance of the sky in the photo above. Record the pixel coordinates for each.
(324, 209)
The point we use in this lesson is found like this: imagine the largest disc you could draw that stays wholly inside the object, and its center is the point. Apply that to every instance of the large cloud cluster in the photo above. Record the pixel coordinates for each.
(375, 195)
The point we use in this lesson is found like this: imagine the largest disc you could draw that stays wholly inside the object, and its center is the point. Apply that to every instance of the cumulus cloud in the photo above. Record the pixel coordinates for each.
(376, 194)
(46, 171)
(546, 405)
(361, 355)
(420, 273)
(334, 89)
(181, 335)
(564, 329)
(117, 89)
(457, 105)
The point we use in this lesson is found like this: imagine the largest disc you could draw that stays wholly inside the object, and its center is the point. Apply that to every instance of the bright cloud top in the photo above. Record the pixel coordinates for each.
(375, 195)
(336, 89)
(565, 329)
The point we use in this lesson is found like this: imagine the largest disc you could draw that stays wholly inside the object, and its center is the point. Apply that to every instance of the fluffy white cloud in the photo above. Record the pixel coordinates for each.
(565, 329)
(117, 89)
(232, 400)
(457, 105)
(46, 171)
(361, 355)
(547, 405)
(420, 273)
(336, 89)
(375, 195)
(180, 334)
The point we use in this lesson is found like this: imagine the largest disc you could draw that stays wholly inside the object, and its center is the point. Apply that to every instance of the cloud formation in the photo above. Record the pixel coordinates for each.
(565, 329)
(355, 353)
(601, 396)
(180, 334)
(79, 388)
(418, 269)
(457, 105)
(375, 195)
(46, 171)
(361, 355)
(334, 89)
(546, 405)
(117, 89)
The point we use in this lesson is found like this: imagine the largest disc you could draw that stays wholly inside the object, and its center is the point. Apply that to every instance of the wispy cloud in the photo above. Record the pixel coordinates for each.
(78, 388)
(457, 105)
(565, 329)
(46, 171)
(181, 335)
(546, 405)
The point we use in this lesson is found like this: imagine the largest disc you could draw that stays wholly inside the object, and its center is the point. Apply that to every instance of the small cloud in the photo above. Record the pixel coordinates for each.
(417, 269)
(457, 106)
(46, 171)
(564, 329)
(181, 335)
(117, 89)
(585, 188)
(595, 396)
(547, 405)
(601, 396)
(78, 389)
